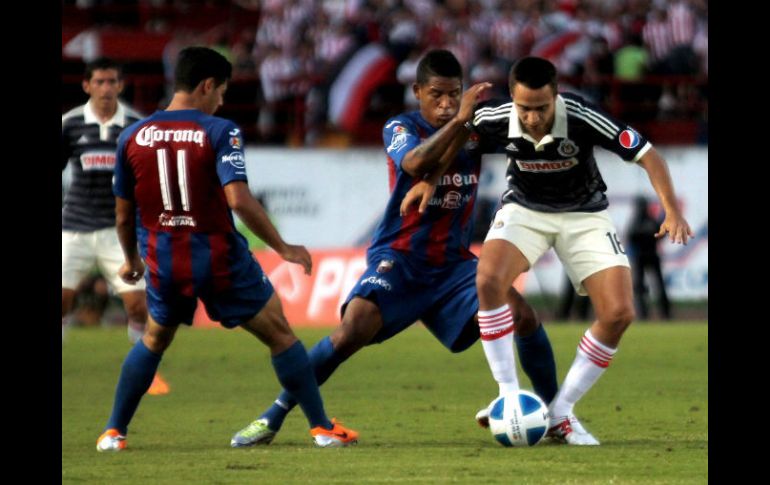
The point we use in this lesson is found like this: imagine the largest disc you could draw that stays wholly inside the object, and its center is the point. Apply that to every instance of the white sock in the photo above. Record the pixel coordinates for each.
(590, 363)
(496, 328)
(135, 331)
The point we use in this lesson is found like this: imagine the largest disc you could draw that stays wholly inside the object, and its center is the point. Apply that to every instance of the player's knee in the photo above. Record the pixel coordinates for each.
(489, 283)
(157, 342)
(272, 328)
(619, 317)
(356, 330)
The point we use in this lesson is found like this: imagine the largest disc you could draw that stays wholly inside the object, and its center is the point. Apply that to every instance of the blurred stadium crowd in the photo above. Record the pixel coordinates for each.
(644, 60)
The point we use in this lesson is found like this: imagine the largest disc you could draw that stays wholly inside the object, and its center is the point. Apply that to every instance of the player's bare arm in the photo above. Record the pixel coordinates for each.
(674, 224)
(251, 212)
(132, 269)
(426, 157)
(424, 189)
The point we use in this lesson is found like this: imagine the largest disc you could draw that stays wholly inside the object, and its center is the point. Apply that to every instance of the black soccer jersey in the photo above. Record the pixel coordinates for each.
(89, 147)
(558, 174)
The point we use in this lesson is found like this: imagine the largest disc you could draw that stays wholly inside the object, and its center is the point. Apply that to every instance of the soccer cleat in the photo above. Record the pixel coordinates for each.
(111, 440)
(482, 417)
(159, 386)
(568, 429)
(335, 437)
(257, 433)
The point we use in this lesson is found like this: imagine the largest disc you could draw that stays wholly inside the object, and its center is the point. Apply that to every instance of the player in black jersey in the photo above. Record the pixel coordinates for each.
(89, 138)
(556, 198)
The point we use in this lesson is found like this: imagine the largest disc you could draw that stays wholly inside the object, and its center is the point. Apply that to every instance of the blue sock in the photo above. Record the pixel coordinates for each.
(324, 361)
(136, 376)
(536, 357)
(295, 373)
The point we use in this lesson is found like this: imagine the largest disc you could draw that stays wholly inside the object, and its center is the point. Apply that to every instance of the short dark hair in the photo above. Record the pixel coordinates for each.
(195, 64)
(101, 64)
(438, 62)
(533, 72)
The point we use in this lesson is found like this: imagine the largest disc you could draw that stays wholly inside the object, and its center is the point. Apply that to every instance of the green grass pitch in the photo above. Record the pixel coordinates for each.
(412, 401)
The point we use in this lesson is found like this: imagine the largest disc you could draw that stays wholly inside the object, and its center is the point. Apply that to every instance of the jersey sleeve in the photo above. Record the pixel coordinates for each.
(399, 137)
(488, 116)
(609, 132)
(123, 180)
(227, 143)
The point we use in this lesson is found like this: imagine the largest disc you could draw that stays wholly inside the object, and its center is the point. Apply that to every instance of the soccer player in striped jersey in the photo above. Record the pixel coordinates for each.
(419, 264)
(89, 138)
(556, 198)
(179, 174)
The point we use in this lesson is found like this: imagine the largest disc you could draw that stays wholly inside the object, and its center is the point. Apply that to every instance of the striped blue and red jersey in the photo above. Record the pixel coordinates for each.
(173, 165)
(442, 235)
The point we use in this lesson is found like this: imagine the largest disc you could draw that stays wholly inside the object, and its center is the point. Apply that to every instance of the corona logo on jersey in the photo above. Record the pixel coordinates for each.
(149, 135)
(98, 161)
(546, 165)
(629, 139)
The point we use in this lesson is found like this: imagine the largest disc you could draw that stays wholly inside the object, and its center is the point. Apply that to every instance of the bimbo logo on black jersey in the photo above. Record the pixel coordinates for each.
(546, 165)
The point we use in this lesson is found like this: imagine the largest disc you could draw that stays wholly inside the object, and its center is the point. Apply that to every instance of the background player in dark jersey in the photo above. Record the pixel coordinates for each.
(89, 137)
(419, 265)
(179, 174)
(555, 198)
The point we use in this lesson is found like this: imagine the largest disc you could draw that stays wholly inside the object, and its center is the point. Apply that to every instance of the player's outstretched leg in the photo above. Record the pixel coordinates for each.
(324, 361)
(295, 373)
(136, 375)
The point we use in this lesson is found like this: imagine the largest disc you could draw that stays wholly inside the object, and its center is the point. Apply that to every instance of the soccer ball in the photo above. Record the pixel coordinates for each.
(518, 419)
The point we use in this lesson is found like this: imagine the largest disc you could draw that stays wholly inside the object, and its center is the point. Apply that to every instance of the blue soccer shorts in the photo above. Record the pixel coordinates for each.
(229, 299)
(445, 301)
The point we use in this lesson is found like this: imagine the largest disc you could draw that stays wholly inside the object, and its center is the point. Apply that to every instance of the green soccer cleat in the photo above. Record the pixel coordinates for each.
(257, 433)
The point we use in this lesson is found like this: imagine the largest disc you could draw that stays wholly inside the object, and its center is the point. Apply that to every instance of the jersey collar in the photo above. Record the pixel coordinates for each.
(119, 119)
(559, 129)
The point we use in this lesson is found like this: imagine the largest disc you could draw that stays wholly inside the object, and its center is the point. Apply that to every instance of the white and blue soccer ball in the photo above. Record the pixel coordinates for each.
(518, 419)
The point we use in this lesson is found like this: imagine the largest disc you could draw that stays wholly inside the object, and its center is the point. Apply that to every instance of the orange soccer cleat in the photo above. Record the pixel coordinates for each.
(335, 437)
(111, 440)
(159, 386)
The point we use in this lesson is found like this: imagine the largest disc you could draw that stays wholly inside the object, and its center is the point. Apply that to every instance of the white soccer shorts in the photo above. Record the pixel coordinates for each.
(80, 251)
(585, 242)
